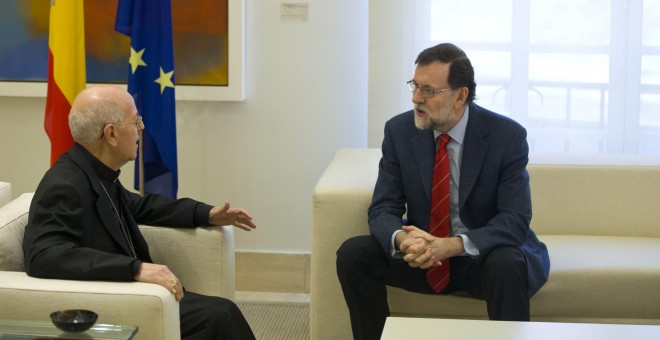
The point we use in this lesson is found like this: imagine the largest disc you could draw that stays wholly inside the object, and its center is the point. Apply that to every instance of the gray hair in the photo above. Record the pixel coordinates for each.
(87, 124)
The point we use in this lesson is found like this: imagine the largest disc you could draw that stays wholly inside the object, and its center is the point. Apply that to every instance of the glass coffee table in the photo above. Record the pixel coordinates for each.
(19, 329)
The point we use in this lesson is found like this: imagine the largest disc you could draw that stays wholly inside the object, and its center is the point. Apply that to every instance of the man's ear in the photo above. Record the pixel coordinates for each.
(109, 134)
(461, 97)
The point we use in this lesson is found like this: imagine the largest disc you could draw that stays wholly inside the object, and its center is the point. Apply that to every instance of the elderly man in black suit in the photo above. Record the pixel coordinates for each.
(83, 224)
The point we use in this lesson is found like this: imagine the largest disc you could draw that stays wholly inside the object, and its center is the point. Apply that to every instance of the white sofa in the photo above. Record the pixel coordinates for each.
(601, 225)
(202, 258)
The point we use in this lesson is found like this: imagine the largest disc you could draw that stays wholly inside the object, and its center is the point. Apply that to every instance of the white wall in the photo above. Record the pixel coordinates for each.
(306, 96)
(390, 59)
(24, 145)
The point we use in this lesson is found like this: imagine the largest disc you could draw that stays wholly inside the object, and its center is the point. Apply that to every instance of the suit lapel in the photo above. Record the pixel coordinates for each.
(103, 204)
(423, 146)
(109, 217)
(475, 149)
(139, 243)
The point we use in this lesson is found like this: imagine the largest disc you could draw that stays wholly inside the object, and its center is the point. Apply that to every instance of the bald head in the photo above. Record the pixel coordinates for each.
(91, 95)
(96, 106)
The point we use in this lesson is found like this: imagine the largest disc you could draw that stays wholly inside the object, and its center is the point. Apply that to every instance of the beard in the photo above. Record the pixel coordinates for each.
(443, 117)
(422, 123)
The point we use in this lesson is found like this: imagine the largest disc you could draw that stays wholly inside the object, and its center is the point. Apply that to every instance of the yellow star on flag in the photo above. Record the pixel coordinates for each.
(136, 59)
(165, 80)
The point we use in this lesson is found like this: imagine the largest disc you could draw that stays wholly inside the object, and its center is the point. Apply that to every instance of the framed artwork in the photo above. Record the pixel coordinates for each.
(208, 40)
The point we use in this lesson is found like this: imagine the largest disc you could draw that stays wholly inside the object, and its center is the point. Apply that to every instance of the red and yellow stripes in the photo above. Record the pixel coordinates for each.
(66, 70)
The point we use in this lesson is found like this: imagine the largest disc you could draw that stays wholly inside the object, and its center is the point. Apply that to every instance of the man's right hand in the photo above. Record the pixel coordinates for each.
(161, 275)
(415, 244)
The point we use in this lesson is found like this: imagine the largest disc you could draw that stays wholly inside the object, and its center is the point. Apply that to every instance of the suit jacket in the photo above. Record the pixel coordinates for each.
(494, 192)
(74, 233)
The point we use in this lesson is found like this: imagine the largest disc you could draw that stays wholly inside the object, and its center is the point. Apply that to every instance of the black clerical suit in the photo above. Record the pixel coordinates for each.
(83, 225)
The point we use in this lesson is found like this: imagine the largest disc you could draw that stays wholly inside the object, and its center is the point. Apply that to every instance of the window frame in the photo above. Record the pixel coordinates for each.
(616, 133)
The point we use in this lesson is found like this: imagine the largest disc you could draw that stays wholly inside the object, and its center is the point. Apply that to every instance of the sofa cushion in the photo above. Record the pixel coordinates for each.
(591, 277)
(13, 218)
(604, 277)
(595, 200)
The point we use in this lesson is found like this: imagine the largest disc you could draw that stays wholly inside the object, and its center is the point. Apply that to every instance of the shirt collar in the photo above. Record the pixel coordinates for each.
(102, 170)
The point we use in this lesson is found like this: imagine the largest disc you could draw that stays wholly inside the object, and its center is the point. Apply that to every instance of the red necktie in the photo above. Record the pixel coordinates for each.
(438, 277)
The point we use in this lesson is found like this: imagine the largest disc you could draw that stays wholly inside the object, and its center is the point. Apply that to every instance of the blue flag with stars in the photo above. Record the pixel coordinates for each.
(151, 82)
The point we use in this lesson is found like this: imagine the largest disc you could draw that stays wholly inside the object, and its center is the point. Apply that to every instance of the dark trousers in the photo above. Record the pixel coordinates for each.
(211, 317)
(364, 269)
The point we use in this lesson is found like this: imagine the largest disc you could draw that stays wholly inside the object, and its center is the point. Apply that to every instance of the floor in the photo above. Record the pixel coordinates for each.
(273, 294)
(276, 316)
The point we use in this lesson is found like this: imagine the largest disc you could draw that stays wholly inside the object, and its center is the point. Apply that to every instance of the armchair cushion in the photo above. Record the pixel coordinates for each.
(200, 257)
(13, 218)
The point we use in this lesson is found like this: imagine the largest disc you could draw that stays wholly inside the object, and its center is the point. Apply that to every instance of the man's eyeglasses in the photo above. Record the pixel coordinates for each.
(427, 92)
(137, 122)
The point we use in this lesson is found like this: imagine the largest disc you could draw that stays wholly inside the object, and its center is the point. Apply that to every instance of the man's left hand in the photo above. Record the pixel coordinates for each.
(231, 216)
(424, 250)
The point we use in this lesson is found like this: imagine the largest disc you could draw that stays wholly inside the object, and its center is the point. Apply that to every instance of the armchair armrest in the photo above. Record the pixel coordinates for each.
(202, 258)
(150, 307)
(341, 198)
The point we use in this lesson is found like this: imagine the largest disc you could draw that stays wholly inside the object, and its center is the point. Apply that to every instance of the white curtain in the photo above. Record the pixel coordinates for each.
(583, 76)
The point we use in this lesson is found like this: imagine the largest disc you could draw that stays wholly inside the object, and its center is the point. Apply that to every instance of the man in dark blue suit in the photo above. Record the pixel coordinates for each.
(491, 251)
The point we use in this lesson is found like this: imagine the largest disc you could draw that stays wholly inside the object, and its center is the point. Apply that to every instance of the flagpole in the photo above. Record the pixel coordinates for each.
(141, 165)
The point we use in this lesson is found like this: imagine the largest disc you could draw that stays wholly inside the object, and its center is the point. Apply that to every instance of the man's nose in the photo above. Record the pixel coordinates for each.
(417, 96)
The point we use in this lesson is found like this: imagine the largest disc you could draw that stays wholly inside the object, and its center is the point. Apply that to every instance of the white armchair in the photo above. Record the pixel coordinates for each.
(202, 258)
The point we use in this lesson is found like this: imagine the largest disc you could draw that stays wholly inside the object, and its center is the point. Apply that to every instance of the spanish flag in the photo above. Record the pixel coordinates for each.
(66, 71)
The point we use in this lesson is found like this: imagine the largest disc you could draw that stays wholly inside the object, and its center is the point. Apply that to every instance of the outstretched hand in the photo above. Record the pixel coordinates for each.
(237, 217)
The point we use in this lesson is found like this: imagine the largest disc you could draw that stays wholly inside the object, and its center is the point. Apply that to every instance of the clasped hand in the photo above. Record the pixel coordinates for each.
(423, 250)
(231, 216)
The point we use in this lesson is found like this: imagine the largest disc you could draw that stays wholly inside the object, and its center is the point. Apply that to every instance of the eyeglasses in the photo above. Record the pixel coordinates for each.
(427, 92)
(138, 123)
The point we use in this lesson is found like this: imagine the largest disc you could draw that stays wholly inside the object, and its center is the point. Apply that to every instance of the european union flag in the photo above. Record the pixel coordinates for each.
(151, 82)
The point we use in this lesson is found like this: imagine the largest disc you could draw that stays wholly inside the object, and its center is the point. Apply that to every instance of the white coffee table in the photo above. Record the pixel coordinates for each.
(397, 328)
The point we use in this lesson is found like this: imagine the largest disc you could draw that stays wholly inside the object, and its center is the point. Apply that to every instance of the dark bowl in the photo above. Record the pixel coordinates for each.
(73, 320)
